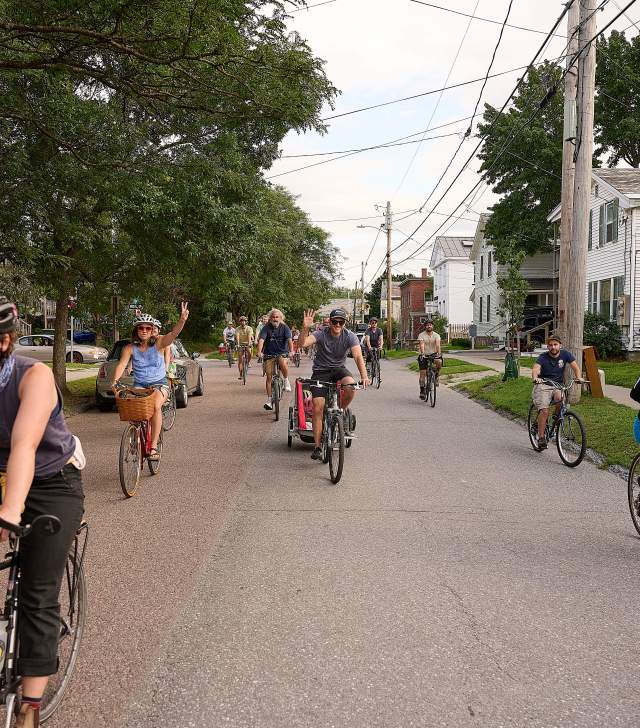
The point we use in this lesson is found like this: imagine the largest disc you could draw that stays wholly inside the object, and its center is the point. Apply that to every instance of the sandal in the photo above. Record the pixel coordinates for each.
(153, 454)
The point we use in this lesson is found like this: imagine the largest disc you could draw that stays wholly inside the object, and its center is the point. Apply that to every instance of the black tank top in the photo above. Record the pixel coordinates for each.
(57, 444)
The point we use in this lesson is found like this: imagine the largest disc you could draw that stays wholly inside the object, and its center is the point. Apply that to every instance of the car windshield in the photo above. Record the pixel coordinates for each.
(116, 352)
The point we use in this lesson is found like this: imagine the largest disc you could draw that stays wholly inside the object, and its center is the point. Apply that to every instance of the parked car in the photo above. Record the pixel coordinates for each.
(40, 346)
(190, 380)
(79, 337)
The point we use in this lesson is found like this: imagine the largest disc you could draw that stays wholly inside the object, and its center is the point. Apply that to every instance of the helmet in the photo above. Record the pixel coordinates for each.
(144, 318)
(157, 323)
(8, 315)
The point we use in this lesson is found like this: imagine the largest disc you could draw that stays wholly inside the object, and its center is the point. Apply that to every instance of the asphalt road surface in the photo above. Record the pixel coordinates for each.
(453, 578)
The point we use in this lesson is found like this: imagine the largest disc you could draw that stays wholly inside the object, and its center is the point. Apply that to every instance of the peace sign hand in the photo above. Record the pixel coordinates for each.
(307, 321)
(184, 314)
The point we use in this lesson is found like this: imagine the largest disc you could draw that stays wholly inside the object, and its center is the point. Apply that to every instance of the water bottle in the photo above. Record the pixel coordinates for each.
(4, 624)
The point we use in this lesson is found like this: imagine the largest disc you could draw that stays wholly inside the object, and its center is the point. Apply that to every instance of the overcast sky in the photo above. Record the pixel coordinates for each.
(380, 50)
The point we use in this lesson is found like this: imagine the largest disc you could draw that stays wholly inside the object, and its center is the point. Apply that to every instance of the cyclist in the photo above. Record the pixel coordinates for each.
(261, 324)
(40, 464)
(244, 337)
(429, 344)
(149, 369)
(373, 338)
(550, 365)
(330, 365)
(229, 336)
(275, 340)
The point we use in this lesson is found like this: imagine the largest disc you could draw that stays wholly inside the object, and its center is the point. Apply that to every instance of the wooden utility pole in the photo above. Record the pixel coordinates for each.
(389, 282)
(362, 292)
(582, 186)
(568, 168)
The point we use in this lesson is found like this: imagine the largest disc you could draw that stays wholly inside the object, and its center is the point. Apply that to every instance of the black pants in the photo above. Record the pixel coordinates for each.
(42, 564)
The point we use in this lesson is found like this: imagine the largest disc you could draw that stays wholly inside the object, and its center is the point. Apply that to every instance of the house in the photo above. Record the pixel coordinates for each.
(539, 271)
(395, 301)
(350, 305)
(453, 278)
(613, 250)
(416, 304)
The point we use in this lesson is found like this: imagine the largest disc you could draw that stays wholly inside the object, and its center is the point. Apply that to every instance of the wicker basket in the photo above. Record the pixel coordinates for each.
(133, 408)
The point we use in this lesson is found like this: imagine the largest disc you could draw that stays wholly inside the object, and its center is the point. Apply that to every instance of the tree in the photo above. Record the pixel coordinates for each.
(603, 334)
(617, 112)
(513, 293)
(372, 296)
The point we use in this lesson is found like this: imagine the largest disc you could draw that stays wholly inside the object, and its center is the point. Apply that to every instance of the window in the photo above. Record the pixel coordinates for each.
(481, 267)
(590, 244)
(489, 266)
(592, 297)
(618, 287)
(480, 317)
(489, 303)
(608, 232)
(605, 297)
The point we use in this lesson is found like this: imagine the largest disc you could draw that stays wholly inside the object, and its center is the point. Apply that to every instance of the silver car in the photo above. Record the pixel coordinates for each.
(40, 346)
(189, 380)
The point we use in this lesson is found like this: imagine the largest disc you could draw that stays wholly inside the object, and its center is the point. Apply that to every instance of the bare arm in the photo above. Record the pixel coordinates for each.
(535, 372)
(576, 370)
(439, 347)
(169, 338)
(367, 342)
(421, 346)
(290, 342)
(260, 345)
(356, 352)
(381, 342)
(125, 357)
(38, 398)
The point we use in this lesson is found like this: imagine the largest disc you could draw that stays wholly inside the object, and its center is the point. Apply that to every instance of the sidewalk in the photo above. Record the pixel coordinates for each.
(617, 394)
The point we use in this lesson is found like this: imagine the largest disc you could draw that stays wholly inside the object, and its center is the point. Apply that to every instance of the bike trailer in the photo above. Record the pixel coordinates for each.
(300, 413)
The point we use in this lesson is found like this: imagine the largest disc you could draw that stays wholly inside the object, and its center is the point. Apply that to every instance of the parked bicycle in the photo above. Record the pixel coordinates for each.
(73, 613)
(135, 406)
(337, 427)
(431, 391)
(277, 385)
(566, 426)
(244, 359)
(373, 368)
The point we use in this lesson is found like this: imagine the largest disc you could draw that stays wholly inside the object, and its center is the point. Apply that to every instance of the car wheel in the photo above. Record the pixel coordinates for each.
(182, 396)
(199, 390)
(77, 357)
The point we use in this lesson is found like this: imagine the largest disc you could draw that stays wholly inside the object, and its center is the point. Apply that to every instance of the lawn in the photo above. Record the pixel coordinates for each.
(401, 353)
(454, 366)
(620, 373)
(85, 387)
(608, 424)
(71, 366)
(215, 355)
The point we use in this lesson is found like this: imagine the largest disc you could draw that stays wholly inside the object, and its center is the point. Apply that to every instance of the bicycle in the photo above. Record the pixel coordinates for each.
(244, 359)
(337, 429)
(633, 491)
(296, 358)
(73, 614)
(566, 426)
(135, 444)
(169, 407)
(277, 384)
(228, 349)
(430, 391)
(373, 368)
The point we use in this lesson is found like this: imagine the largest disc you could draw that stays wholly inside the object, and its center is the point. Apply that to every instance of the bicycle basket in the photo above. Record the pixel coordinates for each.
(134, 408)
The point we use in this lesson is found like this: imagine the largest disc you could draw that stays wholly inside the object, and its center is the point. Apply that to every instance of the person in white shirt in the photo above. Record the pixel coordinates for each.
(429, 343)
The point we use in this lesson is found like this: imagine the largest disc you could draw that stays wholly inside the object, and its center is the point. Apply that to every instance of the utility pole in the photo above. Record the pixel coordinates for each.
(389, 311)
(582, 186)
(362, 292)
(568, 169)
(355, 303)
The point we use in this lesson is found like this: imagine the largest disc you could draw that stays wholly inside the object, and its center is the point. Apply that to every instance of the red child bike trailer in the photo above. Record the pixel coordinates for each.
(300, 413)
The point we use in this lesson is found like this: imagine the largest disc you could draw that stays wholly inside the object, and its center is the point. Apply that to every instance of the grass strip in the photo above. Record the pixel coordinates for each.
(400, 354)
(608, 424)
(454, 366)
(72, 365)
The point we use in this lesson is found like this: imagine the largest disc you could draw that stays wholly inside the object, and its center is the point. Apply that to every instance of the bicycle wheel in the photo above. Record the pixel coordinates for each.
(169, 411)
(432, 388)
(324, 444)
(230, 356)
(154, 465)
(378, 381)
(571, 439)
(245, 364)
(634, 491)
(532, 427)
(336, 448)
(130, 462)
(427, 386)
(73, 615)
(275, 397)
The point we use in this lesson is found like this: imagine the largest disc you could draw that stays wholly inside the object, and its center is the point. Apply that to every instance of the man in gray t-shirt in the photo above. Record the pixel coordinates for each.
(329, 365)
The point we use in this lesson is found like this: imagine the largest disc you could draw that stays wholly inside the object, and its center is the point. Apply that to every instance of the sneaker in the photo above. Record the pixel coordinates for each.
(423, 392)
(316, 454)
(28, 717)
(268, 405)
(542, 443)
(287, 386)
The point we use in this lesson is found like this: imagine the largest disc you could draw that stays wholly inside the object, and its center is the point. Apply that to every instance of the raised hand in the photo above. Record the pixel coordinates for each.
(184, 313)
(307, 321)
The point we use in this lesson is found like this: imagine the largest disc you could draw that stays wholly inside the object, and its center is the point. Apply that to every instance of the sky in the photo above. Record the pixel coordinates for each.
(380, 50)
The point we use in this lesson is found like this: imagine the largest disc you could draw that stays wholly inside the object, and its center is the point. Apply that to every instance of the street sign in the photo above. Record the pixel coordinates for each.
(473, 331)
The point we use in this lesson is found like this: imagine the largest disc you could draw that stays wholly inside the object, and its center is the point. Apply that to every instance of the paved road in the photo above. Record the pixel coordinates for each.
(453, 578)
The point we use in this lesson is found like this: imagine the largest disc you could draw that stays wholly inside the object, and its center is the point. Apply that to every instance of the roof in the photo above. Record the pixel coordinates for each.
(451, 247)
(395, 290)
(478, 238)
(626, 181)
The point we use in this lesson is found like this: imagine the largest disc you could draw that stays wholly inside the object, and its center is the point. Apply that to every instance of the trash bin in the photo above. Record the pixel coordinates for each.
(511, 369)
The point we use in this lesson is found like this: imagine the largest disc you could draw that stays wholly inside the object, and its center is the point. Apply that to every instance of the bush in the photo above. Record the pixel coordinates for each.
(602, 334)
(461, 343)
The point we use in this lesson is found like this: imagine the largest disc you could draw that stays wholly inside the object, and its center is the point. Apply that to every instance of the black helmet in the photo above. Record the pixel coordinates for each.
(8, 315)
(338, 313)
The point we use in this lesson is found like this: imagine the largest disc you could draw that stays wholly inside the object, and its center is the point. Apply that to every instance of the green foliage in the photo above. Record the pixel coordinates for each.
(603, 334)
(460, 343)
(400, 353)
(617, 113)
(620, 373)
(453, 366)
(440, 322)
(513, 290)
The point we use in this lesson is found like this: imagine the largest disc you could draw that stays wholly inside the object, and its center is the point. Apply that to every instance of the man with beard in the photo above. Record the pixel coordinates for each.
(276, 342)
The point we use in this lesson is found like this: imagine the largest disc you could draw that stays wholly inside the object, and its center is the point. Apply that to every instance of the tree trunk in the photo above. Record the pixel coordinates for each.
(60, 341)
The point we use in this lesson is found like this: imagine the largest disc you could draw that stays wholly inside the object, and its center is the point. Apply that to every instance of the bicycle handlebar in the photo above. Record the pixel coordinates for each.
(317, 382)
(557, 385)
(44, 523)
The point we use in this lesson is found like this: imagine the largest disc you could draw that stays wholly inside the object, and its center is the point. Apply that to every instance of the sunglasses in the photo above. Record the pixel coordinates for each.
(145, 328)
(337, 322)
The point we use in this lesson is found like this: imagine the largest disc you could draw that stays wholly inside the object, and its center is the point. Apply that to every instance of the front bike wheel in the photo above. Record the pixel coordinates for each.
(154, 465)
(336, 448)
(130, 462)
(634, 491)
(532, 427)
(230, 357)
(73, 615)
(378, 380)
(169, 411)
(432, 388)
(571, 439)
(245, 364)
(275, 397)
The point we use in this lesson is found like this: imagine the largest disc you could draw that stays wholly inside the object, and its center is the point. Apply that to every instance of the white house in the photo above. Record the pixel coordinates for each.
(538, 270)
(613, 257)
(453, 278)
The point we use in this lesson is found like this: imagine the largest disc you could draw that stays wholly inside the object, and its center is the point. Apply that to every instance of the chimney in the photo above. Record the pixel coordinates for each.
(425, 272)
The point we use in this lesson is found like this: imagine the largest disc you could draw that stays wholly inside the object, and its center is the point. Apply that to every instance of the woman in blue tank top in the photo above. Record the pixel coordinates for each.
(146, 352)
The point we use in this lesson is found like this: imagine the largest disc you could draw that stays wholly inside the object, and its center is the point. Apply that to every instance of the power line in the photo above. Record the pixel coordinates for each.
(356, 219)
(308, 7)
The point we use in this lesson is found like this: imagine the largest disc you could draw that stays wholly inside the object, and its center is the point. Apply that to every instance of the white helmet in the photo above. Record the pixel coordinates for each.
(144, 318)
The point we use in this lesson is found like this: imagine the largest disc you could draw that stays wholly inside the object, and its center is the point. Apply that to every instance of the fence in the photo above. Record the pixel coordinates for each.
(458, 331)
(23, 328)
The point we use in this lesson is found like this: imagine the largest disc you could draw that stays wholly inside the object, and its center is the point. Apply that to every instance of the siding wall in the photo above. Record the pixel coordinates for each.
(488, 286)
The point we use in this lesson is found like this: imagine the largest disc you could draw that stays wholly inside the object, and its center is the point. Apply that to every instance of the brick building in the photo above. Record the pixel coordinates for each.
(416, 303)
